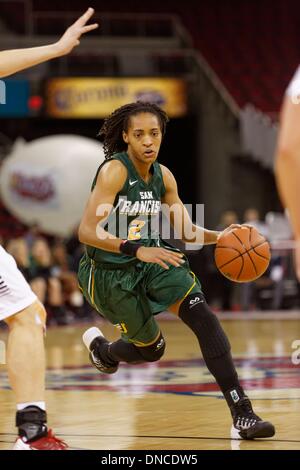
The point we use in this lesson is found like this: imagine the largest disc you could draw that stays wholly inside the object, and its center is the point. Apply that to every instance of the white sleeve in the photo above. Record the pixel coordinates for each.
(293, 90)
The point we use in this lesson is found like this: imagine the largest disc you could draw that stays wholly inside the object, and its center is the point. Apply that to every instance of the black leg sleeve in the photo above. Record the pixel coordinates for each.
(122, 351)
(128, 352)
(212, 339)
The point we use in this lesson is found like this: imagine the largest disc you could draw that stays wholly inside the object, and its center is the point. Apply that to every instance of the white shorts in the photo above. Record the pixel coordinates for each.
(15, 292)
(293, 90)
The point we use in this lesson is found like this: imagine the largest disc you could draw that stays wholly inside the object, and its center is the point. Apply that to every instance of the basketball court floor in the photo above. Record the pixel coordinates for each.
(172, 404)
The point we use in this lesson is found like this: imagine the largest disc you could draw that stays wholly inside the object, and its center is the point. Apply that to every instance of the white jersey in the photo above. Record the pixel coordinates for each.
(15, 292)
(293, 90)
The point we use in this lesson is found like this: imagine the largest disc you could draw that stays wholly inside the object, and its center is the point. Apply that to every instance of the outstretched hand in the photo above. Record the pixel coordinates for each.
(70, 38)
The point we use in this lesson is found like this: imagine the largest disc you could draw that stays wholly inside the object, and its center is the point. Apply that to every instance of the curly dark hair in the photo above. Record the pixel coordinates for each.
(113, 126)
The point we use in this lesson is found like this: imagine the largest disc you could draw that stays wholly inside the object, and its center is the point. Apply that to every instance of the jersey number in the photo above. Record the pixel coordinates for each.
(134, 229)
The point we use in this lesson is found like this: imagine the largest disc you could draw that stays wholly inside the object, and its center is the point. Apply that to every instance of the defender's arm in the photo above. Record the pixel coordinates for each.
(19, 59)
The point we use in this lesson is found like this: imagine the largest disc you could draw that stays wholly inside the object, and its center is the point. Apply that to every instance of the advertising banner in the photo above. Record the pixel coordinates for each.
(98, 97)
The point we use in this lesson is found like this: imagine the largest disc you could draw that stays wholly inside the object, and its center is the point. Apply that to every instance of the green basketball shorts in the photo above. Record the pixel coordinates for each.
(129, 296)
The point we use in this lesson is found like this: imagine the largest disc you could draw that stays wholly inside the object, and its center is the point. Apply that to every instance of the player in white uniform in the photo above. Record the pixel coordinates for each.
(19, 307)
(287, 167)
(15, 292)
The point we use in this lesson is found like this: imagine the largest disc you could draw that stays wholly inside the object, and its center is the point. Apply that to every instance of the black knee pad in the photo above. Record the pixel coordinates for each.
(153, 352)
(195, 312)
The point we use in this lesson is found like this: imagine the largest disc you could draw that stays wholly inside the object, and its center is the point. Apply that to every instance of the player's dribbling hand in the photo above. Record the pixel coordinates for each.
(159, 256)
(231, 227)
(71, 37)
(228, 229)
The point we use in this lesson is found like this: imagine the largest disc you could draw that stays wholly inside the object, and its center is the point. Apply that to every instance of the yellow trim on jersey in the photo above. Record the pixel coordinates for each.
(93, 287)
(191, 288)
(121, 327)
(143, 345)
(91, 284)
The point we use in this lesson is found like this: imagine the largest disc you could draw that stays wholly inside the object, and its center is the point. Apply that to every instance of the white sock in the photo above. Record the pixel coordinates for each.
(40, 404)
(90, 335)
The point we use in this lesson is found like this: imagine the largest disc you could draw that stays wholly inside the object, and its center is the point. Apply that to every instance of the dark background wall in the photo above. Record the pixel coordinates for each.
(178, 151)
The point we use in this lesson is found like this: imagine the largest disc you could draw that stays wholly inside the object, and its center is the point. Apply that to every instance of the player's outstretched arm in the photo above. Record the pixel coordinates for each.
(19, 59)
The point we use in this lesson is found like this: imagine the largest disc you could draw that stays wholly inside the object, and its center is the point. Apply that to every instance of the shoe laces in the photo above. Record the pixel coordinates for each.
(56, 439)
(245, 423)
(244, 414)
(53, 442)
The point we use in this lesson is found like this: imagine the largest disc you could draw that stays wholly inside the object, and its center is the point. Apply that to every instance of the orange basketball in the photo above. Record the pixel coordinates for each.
(242, 254)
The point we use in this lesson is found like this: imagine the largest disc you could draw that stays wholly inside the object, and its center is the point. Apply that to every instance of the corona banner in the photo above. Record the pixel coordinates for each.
(98, 97)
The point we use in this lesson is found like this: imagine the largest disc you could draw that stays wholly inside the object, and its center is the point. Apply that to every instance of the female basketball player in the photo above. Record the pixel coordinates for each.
(129, 273)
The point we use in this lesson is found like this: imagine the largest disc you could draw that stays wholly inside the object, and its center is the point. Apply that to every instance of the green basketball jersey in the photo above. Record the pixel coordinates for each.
(136, 211)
